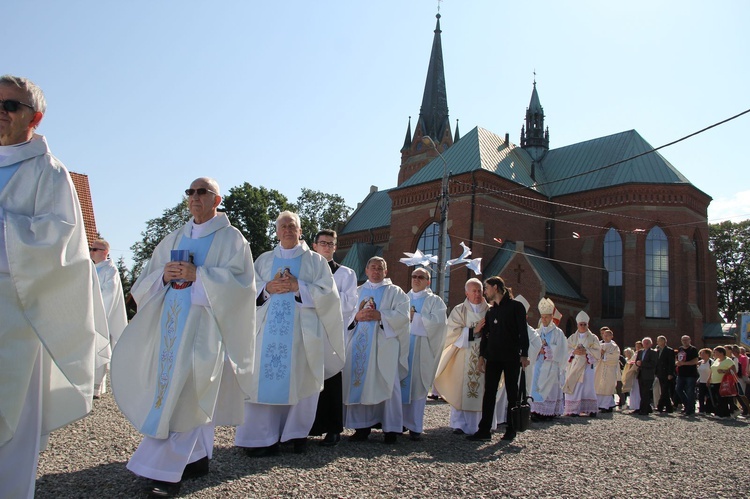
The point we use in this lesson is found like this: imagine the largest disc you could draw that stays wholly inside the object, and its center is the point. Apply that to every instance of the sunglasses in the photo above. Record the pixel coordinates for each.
(11, 106)
(96, 249)
(200, 191)
(418, 276)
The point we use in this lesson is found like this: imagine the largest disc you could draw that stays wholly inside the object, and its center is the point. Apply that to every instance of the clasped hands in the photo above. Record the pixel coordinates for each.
(580, 350)
(174, 271)
(283, 282)
(367, 314)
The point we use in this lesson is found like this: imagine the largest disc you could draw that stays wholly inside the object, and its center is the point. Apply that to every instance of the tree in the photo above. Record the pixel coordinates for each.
(124, 275)
(156, 230)
(729, 243)
(318, 210)
(253, 211)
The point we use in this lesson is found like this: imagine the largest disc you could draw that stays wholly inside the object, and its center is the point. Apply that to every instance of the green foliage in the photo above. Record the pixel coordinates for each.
(729, 243)
(253, 211)
(156, 230)
(124, 275)
(318, 210)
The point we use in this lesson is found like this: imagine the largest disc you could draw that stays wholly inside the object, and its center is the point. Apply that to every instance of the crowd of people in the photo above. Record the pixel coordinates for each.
(283, 346)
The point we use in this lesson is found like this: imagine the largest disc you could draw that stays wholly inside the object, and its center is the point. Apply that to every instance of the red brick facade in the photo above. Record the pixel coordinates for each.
(81, 183)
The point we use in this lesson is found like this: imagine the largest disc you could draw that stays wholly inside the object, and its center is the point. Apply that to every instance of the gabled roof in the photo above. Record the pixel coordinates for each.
(554, 277)
(357, 257)
(374, 212)
(479, 149)
(581, 158)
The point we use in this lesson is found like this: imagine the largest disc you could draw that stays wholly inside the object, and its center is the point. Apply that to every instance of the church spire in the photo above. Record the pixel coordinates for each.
(534, 138)
(433, 115)
(407, 140)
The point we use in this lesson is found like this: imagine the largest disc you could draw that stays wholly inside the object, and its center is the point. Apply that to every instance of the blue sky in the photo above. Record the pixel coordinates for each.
(145, 96)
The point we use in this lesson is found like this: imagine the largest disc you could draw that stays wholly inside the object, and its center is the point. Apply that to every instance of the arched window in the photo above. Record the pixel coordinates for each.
(612, 297)
(428, 244)
(657, 274)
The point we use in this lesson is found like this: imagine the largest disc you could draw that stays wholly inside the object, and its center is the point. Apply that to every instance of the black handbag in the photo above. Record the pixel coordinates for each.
(520, 415)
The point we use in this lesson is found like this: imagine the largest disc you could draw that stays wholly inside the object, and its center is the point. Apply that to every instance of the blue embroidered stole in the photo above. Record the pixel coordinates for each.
(362, 339)
(173, 317)
(6, 172)
(278, 336)
(416, 307)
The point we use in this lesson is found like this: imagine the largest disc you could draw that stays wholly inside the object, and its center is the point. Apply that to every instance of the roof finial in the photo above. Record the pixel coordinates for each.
(534, 76)
(439, 2)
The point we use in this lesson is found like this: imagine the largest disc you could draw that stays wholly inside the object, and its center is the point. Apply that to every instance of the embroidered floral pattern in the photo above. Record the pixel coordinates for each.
(277, 360)
(166, 358)
(472, 374)
(359, 364)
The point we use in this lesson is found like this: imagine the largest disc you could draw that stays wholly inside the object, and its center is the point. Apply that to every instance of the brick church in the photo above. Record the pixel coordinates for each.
(604, 225)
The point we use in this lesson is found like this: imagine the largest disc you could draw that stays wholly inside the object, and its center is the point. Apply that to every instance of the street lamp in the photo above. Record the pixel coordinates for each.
(443, 235)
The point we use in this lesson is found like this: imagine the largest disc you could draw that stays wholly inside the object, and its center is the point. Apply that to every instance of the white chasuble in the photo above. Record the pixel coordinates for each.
(458, 381)
(172, 353)
(577, 364)
(608, 369)
(47, 290)
(550, 362)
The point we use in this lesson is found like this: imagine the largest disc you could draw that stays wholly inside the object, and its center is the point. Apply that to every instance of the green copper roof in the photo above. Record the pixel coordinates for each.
(584, 157)
(550, 273)
(478, 149)
(374, 212)
(357, 257)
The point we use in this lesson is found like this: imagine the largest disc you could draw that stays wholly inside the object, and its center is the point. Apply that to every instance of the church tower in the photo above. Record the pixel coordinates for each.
(433, 117)
(534, 138)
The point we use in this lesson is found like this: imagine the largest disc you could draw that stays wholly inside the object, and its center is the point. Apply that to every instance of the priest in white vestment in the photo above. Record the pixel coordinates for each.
(299, 312)
(377, 356)
(329, 415)
(113, 301)
(427, 336)
(551, 361)
(608, 371)
(183, 364)
(583, 354)
(458, 380)
(48, 292)
(535, 344)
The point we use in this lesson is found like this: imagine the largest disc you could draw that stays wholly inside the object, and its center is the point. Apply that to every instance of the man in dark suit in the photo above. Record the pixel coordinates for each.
(665, 372)
(646, 362)
(503, 349)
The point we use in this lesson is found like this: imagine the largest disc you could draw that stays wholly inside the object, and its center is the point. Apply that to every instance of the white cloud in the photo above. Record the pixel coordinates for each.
(735, 207)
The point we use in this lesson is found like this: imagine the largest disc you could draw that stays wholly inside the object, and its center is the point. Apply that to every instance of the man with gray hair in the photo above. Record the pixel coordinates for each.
(48, 292)
(183, 363)
(458, 378)
(299, 316)
(646, 363)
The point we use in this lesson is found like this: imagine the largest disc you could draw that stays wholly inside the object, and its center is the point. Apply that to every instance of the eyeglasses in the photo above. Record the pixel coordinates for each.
(326, 244)
(11, 106)
(97, 249)
(418, 276)
(200, 191)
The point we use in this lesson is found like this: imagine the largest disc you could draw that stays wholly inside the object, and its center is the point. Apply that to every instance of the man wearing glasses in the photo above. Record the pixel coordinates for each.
(329, 417)
(47, 289)
(114, 303)
(183, 363)
(299, 311)
(426, 338)
(377, 356)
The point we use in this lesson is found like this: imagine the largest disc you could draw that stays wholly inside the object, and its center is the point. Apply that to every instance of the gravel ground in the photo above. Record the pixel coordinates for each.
(613, 455)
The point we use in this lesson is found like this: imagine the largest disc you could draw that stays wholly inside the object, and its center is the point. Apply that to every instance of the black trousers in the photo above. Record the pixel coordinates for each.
(646, 387)
(329, 417)
(665, 399)
(493, 371)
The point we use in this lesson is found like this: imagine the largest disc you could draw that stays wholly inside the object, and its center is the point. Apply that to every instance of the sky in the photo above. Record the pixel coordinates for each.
(144, 96)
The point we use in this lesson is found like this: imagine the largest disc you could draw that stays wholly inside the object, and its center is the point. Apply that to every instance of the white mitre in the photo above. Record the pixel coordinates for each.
(582, 317)
(546, 306)
(523, 301)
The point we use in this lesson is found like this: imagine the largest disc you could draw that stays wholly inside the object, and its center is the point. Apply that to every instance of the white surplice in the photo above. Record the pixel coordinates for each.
(114, 310)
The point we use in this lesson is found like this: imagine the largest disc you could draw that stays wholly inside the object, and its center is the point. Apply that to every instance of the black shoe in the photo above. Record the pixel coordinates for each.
(300, 445)
(509, 435)
(592, 414)
(414, 436)
(271, 450)
(390, 437)
(196, 469)
(360, 435)
(458, 431)
(480, 436)
(157, 488)
(331, 440)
